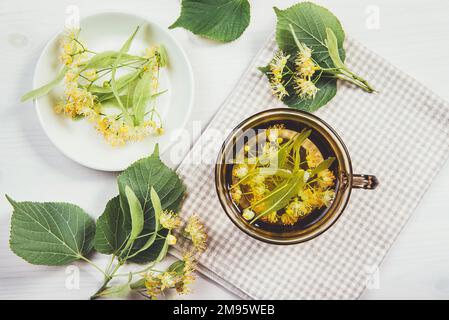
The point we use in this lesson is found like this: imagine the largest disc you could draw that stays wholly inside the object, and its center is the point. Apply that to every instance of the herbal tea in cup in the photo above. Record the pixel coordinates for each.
(284, 176)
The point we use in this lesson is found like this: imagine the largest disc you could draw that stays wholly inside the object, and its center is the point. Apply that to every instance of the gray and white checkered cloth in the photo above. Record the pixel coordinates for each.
(401, 135)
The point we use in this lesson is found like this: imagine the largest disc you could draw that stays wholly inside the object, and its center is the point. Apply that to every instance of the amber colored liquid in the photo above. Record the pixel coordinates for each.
(315, 140)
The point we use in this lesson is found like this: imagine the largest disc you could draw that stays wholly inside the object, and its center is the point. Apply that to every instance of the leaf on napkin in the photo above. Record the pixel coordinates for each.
(50, 233)
(220, 20)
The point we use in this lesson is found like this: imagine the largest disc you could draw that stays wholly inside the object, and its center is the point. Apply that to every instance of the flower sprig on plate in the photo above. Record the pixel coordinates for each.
(121, 108)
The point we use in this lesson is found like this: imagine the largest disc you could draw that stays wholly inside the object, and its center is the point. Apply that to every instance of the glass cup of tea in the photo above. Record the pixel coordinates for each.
(284, 176)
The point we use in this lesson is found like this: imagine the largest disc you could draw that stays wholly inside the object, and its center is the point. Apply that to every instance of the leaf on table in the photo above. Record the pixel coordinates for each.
(113, 228)
(309, 22)
(220, 20)
(39, 92)
(141, 176)
(50, 233)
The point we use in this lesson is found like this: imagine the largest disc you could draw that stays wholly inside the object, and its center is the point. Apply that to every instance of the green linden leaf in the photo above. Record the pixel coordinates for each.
(114, 225)
(113, 228)
(220, 20)
(309, 22)
(50, 233)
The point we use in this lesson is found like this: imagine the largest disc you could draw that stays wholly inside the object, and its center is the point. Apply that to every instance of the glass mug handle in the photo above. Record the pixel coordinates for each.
(364, 181)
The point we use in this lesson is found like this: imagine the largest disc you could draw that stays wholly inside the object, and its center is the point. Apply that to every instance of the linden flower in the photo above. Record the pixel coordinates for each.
(307, 69)
(288, 219)
(277, 66)
(153, 285)
(259, 190)
(305, 88)
(76, 100)
(171, 240)
(90, 74)
(304, 54)
(248, 214)
(273, 132)
(328, 196)
(298, 208)
(312, 198)
(187, 275)
(278, 89)
(236, 194)
(271, 217)
(240, 171)
(195, 230)
(326, 179)
(169, 220)
(314, 158)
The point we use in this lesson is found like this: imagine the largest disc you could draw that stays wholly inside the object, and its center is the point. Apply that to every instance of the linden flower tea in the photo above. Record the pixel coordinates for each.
(283, 177)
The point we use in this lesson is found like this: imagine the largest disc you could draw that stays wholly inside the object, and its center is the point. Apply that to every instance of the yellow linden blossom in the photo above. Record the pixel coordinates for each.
(176, 278)
(188, 277)
(153, 285)
(314, 158)
(273, 132)
(90, 74)
(72, 50)
(304, 55)
(259, 190)
(312, 198)
(169, 220)
(277, 66)
(326, 179)
(236, 194)
(328, 196)
(298, 208)
(271, 217)
(75, 101)
(305, 88)
(171, 240)
(240, 171)
(195, 230)
(307, 69)
(289, 219)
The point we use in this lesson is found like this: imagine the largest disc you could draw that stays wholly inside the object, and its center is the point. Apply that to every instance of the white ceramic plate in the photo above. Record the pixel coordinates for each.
(79, 140)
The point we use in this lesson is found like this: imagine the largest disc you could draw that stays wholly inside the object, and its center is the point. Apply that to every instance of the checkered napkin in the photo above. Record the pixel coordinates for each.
(401, 135)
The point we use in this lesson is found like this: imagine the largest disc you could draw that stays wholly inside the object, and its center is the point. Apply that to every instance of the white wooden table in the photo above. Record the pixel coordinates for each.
(414, 35)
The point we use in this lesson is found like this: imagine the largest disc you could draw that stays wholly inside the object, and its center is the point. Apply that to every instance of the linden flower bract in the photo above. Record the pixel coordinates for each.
(195, 230)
